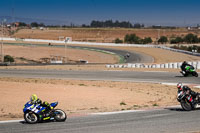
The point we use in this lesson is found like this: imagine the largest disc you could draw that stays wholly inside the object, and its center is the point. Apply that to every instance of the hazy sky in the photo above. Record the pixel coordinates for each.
(157, 12)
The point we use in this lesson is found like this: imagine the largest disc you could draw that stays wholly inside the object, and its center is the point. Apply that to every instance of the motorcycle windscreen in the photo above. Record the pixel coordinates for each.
(54, 104)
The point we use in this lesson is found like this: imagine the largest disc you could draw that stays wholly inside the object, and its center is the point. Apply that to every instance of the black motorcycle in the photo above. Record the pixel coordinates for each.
(186, 100)
(126, 56)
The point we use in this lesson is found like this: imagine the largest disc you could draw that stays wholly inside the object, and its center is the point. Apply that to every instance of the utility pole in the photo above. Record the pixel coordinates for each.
(2, 57)
(65, 50)
(158, 33)
(2, 54)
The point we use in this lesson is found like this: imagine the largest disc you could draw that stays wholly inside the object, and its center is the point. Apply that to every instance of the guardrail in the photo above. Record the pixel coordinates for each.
(175, 65)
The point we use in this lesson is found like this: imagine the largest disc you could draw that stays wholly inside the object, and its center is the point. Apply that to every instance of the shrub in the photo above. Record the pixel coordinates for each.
(8, 58)
(191, 38)
(132, 38)
(146, 40)
(122, 103)
(155, 104)
(117, 40)
(177, 40)
(163, 39)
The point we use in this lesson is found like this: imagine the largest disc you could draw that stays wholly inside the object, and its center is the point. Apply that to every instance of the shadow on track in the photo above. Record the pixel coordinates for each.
(42, 122)
(179, 76)
(175, 109)
(180, 109)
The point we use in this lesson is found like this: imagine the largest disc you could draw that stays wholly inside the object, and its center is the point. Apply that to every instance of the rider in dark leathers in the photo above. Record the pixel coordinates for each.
(184, 65)
(188, 90)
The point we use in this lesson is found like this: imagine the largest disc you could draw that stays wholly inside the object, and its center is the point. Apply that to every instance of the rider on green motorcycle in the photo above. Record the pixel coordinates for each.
(184, 66)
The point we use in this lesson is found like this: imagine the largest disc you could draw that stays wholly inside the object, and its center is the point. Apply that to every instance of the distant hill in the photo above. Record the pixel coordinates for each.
(10, 19)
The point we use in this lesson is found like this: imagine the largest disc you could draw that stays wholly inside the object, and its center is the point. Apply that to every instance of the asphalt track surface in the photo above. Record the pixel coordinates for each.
(135, 57)
(168, 120)
(130, 76)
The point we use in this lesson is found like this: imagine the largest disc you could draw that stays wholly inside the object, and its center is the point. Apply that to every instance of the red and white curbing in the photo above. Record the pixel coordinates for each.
(175, 65)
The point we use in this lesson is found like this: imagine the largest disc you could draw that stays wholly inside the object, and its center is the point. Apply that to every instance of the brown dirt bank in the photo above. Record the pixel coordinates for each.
(77, 96)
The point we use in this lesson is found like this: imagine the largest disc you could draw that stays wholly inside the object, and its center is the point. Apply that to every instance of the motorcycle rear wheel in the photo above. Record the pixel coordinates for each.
(195, 74)
(30, 117)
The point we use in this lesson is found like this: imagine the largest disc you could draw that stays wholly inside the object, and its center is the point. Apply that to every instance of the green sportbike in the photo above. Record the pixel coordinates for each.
(190, 70)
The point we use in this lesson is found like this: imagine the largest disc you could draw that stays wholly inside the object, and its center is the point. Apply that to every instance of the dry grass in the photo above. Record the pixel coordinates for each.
(99, 34)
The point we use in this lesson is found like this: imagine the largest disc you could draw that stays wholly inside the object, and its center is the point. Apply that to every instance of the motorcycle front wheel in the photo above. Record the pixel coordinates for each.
(60, 115)
(30, 117)
(186, 105)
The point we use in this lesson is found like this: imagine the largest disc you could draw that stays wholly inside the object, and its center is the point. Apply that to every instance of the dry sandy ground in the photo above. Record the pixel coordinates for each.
(39, 53)
(99, 34)
(80, 97)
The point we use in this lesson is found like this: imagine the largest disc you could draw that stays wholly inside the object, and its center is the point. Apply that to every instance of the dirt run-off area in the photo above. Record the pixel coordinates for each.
(33, 53)
(100, 34)
(82, 97)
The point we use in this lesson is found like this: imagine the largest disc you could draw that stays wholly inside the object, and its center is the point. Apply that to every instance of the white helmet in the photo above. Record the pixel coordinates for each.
(180, 86)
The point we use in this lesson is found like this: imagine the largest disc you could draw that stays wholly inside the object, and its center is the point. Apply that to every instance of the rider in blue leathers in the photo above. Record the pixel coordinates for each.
(35, 100)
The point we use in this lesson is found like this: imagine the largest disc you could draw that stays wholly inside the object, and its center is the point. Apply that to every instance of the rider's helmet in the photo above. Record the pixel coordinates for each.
(33, 98)
(180, 86)
(185, 62)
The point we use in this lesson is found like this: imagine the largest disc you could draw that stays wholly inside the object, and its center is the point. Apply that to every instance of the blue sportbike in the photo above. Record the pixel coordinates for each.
(34, 113)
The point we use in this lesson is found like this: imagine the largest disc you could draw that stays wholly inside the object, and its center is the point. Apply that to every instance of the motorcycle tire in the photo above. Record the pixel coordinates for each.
(185, 75)
(31, 117)
(186, 105)
(60, 115)
(195, 74)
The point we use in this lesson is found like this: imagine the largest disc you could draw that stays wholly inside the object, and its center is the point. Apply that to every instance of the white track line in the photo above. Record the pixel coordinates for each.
(117, 112)
(10, 121)
(156, 71)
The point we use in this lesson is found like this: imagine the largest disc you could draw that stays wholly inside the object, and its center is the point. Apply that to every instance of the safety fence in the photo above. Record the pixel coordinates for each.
(175, 65)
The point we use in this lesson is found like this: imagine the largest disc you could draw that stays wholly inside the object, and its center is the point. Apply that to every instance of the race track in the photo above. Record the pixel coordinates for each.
(131, 76)
(135, 57)
(169, 120)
